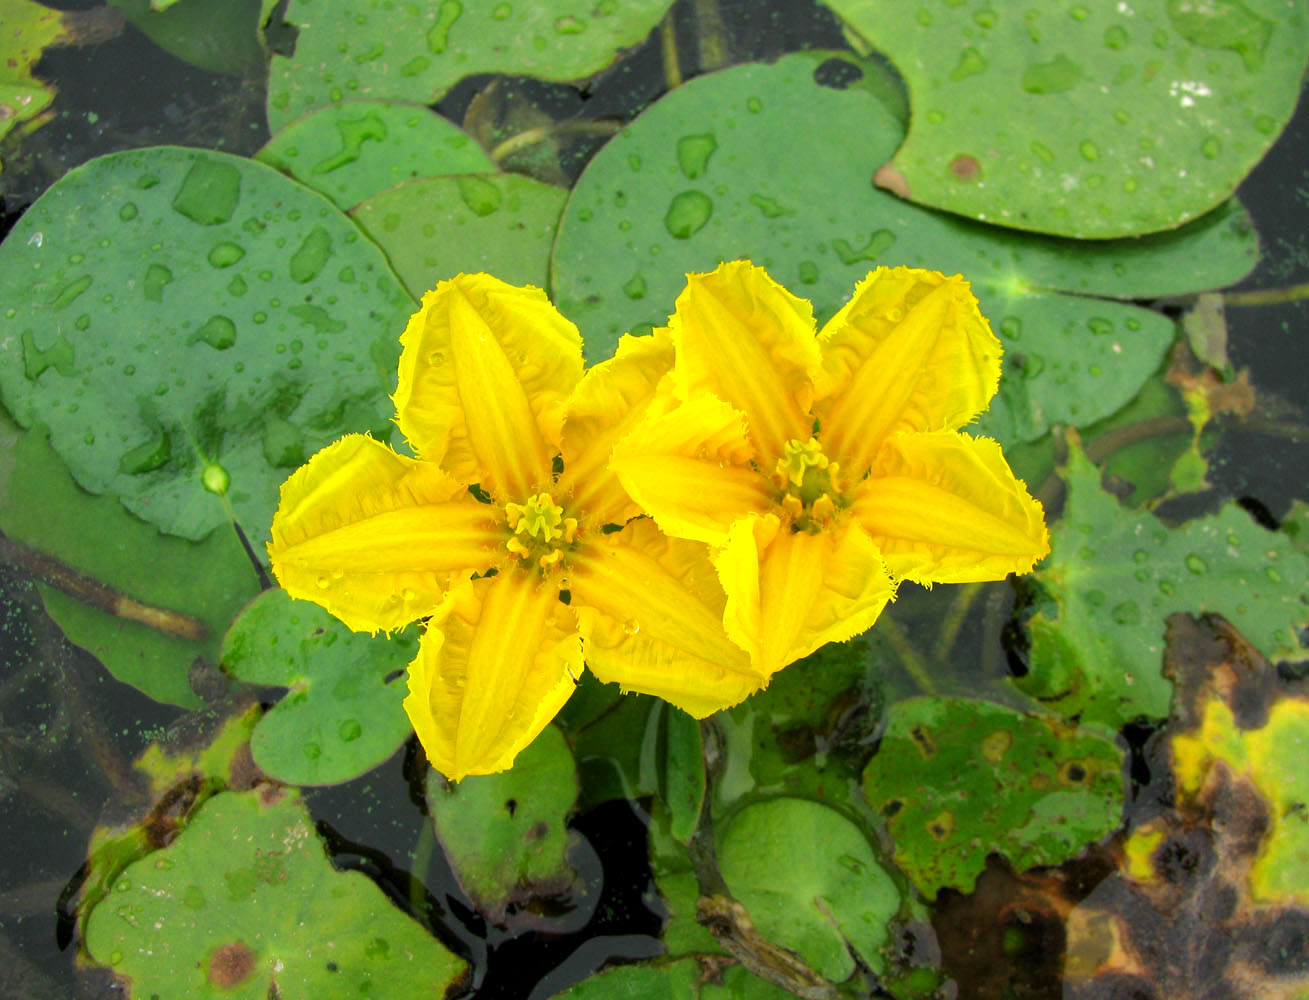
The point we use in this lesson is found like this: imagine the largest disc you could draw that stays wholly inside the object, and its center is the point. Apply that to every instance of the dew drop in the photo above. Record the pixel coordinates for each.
(480, 195)
(438, 36)
(1115, 36)
(1100, 326)
(502, 11)
(225, 254)
(1011, 327)
(971, 62)
(631, 627)
(694, 152)
(635, 287)
(1272, 574)
(808, 272)
(323, 582)
(1127, 613)
(569, 25)
(350, 730)
(687, 214)
(218, 332)
(309, 260)
(157, 277)
(1211, 147)
(127, 212)
(1196, 564)
(209, 192)
(313, 751)
(1053, 77)
(1089, 150)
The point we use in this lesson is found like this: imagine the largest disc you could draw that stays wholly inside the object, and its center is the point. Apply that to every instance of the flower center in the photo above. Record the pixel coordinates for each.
(540, 531)
(805, 476)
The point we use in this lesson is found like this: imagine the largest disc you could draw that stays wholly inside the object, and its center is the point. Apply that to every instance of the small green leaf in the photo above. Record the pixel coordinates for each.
(416, 52)
(245, 904)
(343, 715)
(1114, 575)
(959, 779)
(352, 150)
(683, 980)
(506, 835)
(810, 882)
(208, 580)
(168, 310)
(437, 227)
(1091, 120)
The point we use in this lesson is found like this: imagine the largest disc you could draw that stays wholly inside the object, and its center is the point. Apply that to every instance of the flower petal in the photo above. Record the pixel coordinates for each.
(650, 609)
(375, 537)
(688, 466)
(789, 592)
(746, 339)
(603, 408)
(484, 372)
(910, 351)
(495, 665)
(946, 508)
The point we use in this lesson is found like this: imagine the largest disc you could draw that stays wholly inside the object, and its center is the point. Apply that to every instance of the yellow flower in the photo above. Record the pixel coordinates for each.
(504, 531)
(824, 469)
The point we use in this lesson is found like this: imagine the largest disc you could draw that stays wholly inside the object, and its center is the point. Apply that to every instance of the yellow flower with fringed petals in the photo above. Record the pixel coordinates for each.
(524, 574)
(825, 468)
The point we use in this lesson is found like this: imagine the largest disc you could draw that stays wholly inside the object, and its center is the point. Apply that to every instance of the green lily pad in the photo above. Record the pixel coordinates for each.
(810, 882)
(355, 149)
(29, 29)
(1088, 120)
(685, 187)
(958, 779)
(438, 227)
(1113, 577)
(207, 581)
(189, 323)
(221, 36)
(180, 779)
(506, 835)
(343, 715)
(245, 904)
(416, 52)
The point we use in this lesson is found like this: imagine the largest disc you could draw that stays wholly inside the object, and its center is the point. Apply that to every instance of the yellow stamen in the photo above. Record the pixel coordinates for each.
(807, 479)
(539, 528)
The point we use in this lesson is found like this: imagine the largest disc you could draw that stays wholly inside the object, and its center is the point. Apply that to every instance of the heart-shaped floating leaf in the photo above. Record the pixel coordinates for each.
(207, 581)
(416, 52)
(810, 882)
(1086, 119)
(189, 324)
(1114, 575)
(343, 715)
(354, 149)
(685, 186)
(506, 835)
(435, 228)
(245, 904)
(959, 779)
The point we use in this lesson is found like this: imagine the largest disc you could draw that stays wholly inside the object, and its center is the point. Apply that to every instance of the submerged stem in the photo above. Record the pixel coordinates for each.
(1267, 296)
(97, 594)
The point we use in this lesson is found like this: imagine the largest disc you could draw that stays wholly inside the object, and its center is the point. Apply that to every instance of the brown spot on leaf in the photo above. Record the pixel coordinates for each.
(231, 964)
(537, 831)
(965, 168)
(890, 179)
